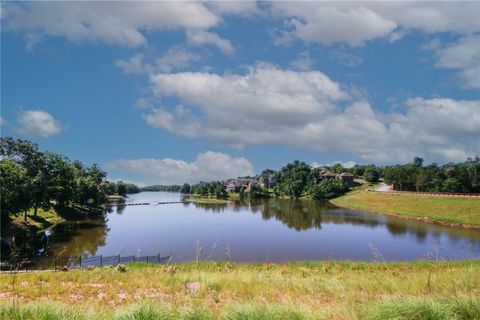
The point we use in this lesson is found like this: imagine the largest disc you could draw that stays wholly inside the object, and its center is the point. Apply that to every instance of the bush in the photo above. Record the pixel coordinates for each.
(328, 189)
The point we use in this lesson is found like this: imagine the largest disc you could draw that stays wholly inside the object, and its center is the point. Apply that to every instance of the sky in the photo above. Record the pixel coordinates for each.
(173, 92)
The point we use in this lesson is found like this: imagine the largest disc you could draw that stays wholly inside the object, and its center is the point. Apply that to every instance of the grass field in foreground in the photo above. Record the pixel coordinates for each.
(323, 290)
(450, 210)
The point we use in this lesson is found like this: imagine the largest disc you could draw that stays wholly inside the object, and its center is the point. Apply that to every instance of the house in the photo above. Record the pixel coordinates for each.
(268, 182)
(326, 174)
(347, 178)
(233, 185)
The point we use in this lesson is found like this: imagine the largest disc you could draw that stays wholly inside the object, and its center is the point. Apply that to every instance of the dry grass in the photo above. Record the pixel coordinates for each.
(329, 290)
(450, 210)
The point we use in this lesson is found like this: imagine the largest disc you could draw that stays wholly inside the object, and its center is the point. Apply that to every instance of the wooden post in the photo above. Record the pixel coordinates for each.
(101, 260)
(118, 259)
(80, 262)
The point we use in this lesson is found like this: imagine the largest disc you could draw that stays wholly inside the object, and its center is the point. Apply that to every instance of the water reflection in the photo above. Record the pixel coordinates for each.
(280, 229)
(74, 239)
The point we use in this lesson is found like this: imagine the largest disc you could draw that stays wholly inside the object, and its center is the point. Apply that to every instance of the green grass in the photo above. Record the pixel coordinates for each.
(44, 219)
(307, 290)
(428, 310)
(464, 211)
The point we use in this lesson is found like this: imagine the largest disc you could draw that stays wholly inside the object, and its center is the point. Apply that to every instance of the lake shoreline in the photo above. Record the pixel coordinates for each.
(348, 202)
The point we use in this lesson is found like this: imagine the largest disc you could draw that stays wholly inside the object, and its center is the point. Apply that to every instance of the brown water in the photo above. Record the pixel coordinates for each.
(276, 230)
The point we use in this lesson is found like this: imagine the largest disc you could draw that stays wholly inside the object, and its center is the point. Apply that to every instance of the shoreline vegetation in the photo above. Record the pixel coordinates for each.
(225, 290)
(452, 212)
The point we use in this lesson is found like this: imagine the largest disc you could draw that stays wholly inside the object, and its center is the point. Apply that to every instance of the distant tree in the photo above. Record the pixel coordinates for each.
(220, 192)
(121, 188)
(371, 174)
(185, 188)
(337, 168)
(418, 161)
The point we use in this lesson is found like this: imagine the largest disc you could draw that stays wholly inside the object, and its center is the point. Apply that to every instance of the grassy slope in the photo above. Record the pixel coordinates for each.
(44, 220)
(328, 290)
(450, 210)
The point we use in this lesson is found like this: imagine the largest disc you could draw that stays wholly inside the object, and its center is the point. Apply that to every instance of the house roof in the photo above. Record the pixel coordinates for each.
(346, 174)
(327, 174)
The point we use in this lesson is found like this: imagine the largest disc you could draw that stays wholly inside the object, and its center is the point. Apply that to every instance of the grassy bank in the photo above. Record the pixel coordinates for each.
(454, 211)
(328, 290)
(44, 220)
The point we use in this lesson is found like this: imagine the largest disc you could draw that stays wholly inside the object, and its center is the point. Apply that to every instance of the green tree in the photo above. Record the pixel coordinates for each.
(293, 179)
(371, 174)
(121, 188)
(220, 192)
(328, 189)
(185, 188)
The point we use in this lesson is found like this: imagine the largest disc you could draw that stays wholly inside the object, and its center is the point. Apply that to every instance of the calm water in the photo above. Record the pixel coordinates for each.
(260, 230)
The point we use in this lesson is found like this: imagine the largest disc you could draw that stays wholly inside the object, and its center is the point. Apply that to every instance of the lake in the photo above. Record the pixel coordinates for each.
(276, 230)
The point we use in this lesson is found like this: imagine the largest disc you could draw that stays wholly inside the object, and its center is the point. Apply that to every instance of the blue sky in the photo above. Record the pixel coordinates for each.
(171, 92)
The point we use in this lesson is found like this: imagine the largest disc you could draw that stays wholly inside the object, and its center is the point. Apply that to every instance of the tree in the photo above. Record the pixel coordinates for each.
(328, 189)
(185, 188)
(418, 161)
(337, 168)
(220, 192)
(293, 179)
(14, 196)
(371, 174)
(121, 188)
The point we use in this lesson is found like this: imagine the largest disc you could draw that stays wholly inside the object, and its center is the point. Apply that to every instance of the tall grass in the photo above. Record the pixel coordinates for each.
(42, 311)
(465, 309)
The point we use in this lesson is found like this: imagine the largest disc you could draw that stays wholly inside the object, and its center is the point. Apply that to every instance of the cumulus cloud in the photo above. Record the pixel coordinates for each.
(38, 123)
(201, 37)
(303, 62)
(326, 23)
(175, 58)
(135, 64)
(305, 109)
(120, 23)
(463, 55)
(244, 7)
(357, 22)
(2, 122)
(208, 166)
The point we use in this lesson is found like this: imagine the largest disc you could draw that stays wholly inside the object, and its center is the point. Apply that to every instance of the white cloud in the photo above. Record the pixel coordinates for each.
(303, 62)
(347, 164)
(120, 23)
(200, 37)
(463, 55)
(357, 22)
(134, 64)
(175, 58)
(303, 109)
(3, 122)
(243, 7)
(327, 23)
(38, 123)
(208, 166)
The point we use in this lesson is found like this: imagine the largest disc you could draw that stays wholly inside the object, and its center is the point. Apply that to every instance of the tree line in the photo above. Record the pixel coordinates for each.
(31, 179)
(462, 177)
(164, 188)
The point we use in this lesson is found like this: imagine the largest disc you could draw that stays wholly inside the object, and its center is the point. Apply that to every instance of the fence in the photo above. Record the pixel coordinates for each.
(432, 194)
(101, 261)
